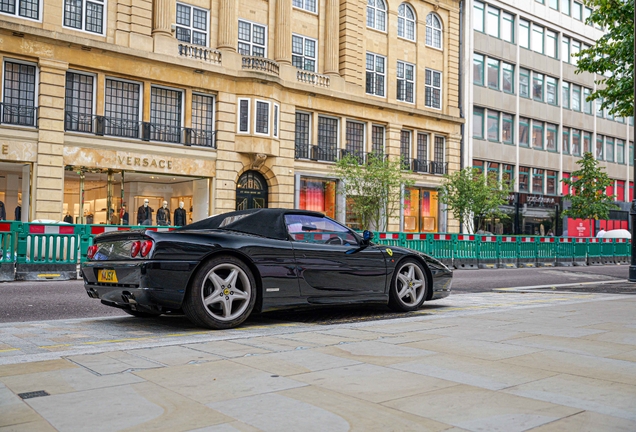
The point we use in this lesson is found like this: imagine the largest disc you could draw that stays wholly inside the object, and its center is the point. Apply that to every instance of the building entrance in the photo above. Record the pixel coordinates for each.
(251, 191)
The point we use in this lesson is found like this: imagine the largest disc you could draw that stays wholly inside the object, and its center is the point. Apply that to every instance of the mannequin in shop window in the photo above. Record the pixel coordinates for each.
(144, 214)
(163, 215)
(123, 215)
(18, 212)
(113, 218)
(68, 218)
(3, 211)
(180, 215)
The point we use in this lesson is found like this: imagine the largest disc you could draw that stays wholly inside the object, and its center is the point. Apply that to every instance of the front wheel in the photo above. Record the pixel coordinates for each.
(408, 286)
(222, 294)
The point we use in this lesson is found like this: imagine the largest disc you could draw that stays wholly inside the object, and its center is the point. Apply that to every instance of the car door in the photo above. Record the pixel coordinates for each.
(330, 260)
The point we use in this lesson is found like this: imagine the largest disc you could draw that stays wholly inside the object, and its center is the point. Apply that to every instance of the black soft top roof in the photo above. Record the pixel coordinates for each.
(263, 222)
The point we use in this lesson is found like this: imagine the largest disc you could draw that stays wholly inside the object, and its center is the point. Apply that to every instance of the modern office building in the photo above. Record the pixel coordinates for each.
(222, 104)
(528, 118)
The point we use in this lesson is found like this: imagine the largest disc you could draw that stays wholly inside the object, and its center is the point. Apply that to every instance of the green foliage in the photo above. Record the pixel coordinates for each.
(587, 191)
(374, 189)
(468, 194)
(612, 57)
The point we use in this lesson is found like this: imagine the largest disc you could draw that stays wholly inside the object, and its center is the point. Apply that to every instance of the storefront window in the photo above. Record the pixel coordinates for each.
(15, 179)
(420, 210)
(318, 195)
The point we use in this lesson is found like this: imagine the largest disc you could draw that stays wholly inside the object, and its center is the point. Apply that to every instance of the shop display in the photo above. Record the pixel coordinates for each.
(3, 211)
(180, 215)
(18, 212)
(123, 215)
(144, 214)
(163, 215)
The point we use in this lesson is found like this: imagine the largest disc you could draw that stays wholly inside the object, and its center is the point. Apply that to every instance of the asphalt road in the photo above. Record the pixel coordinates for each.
(46, 300)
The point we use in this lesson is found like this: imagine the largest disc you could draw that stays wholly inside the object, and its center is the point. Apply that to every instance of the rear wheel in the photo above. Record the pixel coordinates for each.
(408, 286)
(222, 294)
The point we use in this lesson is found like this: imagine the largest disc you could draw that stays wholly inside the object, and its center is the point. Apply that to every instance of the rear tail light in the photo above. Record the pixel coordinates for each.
(134, 249)
(91, 251)
(146, 246)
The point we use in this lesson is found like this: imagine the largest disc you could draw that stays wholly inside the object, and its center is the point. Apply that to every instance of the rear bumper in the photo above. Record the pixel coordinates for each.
(442, 285)
(149, 284)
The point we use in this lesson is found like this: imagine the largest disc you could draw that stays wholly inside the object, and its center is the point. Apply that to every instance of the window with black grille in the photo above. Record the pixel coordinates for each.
(78, 106)
(262, 118)
(405, 82)
(405, 148)
(439, 149)
(422, 146)
(301, 135)
(22, 8)
(251, 39)
(377, 140)
(375, 74)
(202, 120)
(192, 24)
(165, 114)
(244, 115)
(18, 103)
(121, 108)
(304, 53)
(84, 15)
(355, 138)
(308, 5)
(275, 121)
(433, 94)
(327, 138)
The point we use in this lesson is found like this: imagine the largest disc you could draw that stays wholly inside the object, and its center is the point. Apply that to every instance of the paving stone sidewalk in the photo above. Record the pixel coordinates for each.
(489, 361)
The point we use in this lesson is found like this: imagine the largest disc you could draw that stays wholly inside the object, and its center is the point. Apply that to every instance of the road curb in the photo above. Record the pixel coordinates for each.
(555, 287)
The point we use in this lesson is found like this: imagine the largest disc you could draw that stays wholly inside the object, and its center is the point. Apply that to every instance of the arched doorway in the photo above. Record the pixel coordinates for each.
(251, 191)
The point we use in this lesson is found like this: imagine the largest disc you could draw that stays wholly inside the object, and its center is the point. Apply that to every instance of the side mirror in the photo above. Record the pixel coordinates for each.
(367, 236)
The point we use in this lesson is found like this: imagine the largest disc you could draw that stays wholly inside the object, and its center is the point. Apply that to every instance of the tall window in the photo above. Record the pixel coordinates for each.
(599, 107)
(551, 138)
(551, 44)
(524, 83)
(565, 49)
(576, 97)
(565, 94)
(301, 135)
(575, 47)
(524, 132)
(308, 5)
(565, 7)
(406, 22)
(478, 16)
(433, 94)
(84, 15)
(433, 31)
(507, 27)
(508, 174)
(524, 173)
(478, 123)
(377, 140)
(609, 149)
(327, 138)
(577, 11)
(587, 142)
(493, 125)
(537, 135)
(19, 94)
(478, 69)
(537, 181)
(566, 140)
(537, 86)
(551, 182)
(438, 166)
(508, 78)
(121, 108)
(202, 120)
(22, 8)
(304, 53)
(192, 25)
(405, 148)
(422, 147)
(599, 147)
(587, 104)
(78, 105)
(493, 73)
(376, 14)
(251, 39)
(375, 74)
(554, 4)
(165, 114)
(576, 142)
(620, 151)
(507, 128)
(405, 82)
(244, 116)
(537, 38)
(524, 34)
(261, 119)
(355, 138)
(551, 90)
(492, 21)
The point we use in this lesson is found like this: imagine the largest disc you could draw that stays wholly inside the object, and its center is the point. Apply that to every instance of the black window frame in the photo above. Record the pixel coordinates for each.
(79, 102)
(19, 104)
(78, 15)
(162, 127)
(122, 108)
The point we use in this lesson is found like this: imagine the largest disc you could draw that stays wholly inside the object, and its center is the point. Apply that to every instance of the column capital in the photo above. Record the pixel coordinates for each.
(46, 63)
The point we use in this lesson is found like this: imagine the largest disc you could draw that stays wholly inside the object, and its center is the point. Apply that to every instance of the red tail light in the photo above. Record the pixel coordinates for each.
(145, 247)
(134, 249)
(91, 251)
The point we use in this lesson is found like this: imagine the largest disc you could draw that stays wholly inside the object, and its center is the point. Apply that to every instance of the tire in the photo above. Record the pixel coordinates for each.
(222, 294)
(140, 314)
(409, 286)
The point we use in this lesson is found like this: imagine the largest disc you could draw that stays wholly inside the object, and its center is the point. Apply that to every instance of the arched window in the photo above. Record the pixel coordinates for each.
(376, 14)
(406, 22)
(433, 31)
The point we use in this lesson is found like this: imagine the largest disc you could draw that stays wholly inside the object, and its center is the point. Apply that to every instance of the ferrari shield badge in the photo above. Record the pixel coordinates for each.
(389, 251)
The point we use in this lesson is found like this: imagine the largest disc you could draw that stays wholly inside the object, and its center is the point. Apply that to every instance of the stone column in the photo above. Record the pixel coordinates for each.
(162, 37)
(282, 48)
(48, 188)
(228, 25)
(332, 37)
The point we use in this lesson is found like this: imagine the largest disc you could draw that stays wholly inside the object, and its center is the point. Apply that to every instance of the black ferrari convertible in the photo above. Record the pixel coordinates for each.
(221, 269)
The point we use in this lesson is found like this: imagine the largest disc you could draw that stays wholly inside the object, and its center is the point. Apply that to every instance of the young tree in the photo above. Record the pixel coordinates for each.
(588, 187)
(374, 189)
(612, 57)
(471, 196)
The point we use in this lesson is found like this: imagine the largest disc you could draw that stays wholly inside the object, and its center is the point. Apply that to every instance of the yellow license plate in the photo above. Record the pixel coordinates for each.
(107, 276)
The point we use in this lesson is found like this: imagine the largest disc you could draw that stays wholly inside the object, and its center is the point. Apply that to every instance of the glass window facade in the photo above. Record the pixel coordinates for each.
(508, 78)
(318, 195)
(478, 123)
(524, 132)
(537, 135)
(478, 69)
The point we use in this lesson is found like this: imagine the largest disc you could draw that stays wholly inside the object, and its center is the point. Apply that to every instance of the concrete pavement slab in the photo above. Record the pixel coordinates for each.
(227, 349)
(113, 362)
(294, 362)
(588, 421)
(605, 397)
(581, 346)
(473, 348)
(13, 411)
(375, 352)
(414, 336)
(627, 356)
(173, 355)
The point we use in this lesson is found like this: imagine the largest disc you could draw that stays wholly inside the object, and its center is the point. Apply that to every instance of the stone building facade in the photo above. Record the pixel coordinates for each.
(222, 104)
